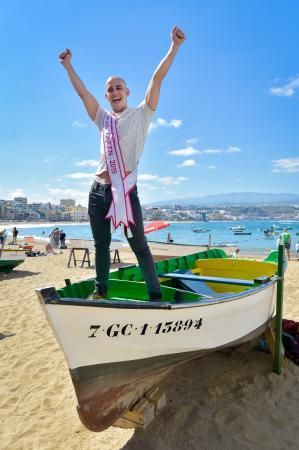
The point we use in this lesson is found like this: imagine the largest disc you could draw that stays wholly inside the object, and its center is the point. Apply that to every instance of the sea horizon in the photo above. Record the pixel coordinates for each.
(181, 232)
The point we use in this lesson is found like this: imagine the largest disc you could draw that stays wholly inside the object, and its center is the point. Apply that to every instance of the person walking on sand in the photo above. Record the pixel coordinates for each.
(286, 240)
(113, 198)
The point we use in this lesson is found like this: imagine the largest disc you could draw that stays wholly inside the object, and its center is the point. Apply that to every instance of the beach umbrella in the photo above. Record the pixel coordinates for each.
(155, 226)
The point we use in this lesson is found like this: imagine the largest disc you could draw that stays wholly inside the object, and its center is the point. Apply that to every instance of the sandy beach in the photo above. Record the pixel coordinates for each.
(213, 402)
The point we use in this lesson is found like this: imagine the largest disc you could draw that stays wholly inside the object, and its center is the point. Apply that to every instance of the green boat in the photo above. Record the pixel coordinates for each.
(9, 259)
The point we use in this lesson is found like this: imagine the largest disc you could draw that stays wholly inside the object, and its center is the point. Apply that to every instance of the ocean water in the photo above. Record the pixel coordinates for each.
(182, 232)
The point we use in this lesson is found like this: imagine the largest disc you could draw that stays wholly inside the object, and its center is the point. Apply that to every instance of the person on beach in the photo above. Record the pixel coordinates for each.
(285, 238)
(297, 250)
(54, 237)
(2, 237)
(15, 233)
(236, 253)
(62, 237)
(113, 198)
(169, 239)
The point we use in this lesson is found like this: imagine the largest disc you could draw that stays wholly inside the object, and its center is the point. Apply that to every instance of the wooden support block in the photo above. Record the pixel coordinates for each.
(244, 348)
(157, 397)
(142, 413)
(270, 338)
(124, 423)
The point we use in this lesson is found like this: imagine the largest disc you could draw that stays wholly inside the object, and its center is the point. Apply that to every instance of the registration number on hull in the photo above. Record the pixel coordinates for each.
(118, 329)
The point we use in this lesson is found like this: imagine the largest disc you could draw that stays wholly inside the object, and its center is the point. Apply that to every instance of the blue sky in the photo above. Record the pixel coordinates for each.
(227, 119)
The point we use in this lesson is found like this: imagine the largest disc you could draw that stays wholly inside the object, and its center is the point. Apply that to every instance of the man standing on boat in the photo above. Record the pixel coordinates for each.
(113, 198)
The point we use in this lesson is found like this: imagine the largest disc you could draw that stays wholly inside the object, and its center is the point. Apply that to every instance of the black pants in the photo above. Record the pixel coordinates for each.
(99, 202)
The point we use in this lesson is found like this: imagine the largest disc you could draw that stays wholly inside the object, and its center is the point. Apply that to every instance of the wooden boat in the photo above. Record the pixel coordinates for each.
(119, 348)
(11, 258)
(166, 250)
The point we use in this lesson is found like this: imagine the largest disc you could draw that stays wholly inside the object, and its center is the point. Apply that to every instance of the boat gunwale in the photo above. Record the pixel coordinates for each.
(143, 304)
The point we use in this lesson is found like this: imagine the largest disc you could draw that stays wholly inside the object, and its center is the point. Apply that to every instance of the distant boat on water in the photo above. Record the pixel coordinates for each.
(163, 250)
(200, 230)
(238, 228)
(281, 227)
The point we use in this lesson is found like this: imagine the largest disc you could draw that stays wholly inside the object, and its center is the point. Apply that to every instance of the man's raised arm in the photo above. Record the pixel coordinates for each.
(88, 99)
(153, 90)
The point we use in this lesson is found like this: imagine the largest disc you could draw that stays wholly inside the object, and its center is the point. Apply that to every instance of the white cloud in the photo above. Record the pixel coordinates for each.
(184, 152)
(147, 186)
(211, 167)
(78, 124)
(174, 123)
(286, 90)
(188, 163)
(67, 191)
(79, 175)
(211, 151)
(192, 141)
(231, 149)
(17, 193)
(288, 165)
(58, 193)
(168, 181)
(154, 179)
(87, 163)
(147, 177)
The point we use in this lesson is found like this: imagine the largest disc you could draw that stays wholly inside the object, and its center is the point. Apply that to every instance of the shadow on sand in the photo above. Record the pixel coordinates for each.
(18, 274)
(3, 335)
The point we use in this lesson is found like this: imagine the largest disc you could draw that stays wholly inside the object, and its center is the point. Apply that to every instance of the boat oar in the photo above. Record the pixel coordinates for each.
(183, 276)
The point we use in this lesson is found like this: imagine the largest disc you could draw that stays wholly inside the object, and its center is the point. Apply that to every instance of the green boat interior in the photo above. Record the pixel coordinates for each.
(192, 278)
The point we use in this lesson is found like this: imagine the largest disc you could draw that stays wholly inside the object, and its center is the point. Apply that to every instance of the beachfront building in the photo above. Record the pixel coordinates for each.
(77, 213)
(21, 200)
(67, 202)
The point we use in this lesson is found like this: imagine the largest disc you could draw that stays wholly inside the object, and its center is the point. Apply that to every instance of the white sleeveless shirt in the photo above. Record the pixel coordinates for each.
(132, 126)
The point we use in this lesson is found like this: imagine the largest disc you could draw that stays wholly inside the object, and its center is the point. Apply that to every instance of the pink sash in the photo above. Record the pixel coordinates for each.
(120, 211)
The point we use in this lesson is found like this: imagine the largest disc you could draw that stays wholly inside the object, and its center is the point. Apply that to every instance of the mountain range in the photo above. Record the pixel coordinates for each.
(234, 198)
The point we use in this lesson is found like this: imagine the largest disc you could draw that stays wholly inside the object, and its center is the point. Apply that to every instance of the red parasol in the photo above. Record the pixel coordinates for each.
(155, 226)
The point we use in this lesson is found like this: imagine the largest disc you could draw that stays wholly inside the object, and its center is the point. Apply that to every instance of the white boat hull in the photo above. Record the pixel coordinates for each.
(99, 335)
(164, 250)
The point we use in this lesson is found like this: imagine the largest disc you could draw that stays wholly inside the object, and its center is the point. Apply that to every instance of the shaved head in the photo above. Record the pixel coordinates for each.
(117, 93)
(115, 78)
